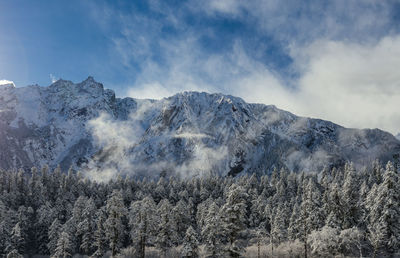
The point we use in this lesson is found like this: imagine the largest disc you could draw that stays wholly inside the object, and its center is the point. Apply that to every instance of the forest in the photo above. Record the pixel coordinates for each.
(347, 211)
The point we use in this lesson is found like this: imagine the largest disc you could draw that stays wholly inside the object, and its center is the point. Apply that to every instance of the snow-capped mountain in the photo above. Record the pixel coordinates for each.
(85, 126)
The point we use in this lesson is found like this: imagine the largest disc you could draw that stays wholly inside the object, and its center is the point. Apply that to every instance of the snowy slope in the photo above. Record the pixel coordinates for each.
(84, 126)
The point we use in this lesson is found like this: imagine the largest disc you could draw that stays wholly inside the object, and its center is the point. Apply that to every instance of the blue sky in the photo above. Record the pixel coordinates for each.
(337, 60)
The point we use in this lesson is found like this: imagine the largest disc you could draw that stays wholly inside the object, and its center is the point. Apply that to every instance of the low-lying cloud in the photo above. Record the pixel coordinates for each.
(118, 140)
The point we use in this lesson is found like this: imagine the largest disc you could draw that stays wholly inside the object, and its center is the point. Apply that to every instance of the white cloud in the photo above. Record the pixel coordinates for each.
(304, 21)
(53, 78)
(355, 85)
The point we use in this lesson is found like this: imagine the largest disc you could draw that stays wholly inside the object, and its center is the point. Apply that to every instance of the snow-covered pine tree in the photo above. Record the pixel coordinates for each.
(5, 228)
(166, 232)
(45, 216)
(364, 190)
(115, 230)
(383, 205)
(202, 210)
(310, 212)
(212, 232)
(350, 196)
(293, 229)
(86, 227)
(142, 220)
(190, 244)
(54, 233)
(77, 218)
(17, 241)
(334, 208)
(234, 216)
(181, 214)
(279, 224)
(64, 247)
(100, 239)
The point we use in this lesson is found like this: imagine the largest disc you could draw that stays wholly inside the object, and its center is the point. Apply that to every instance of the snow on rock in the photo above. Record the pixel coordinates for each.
(7, 83)
(85, 126)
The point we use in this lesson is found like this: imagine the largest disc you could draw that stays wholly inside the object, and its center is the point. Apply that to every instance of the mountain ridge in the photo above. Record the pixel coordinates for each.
(87, 127)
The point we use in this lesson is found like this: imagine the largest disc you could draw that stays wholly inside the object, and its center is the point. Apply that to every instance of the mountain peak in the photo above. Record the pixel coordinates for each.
(6, 83)
(90, 79)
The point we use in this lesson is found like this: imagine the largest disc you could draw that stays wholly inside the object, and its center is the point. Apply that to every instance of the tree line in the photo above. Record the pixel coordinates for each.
(336, 211)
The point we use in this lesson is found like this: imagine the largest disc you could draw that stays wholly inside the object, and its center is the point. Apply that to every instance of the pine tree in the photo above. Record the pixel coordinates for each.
(280, 224)
(310, 213)
(64, 246)
(17, 240)
(5, 228)
(142, 221)
(350, 197)
(212, 232)
(383, 205)
(86, 226)
(54, 232)
(233, 217)
(166, 235)
(74, 228)
(334, 208)
(181, 214)
(100, 239)
(45, 217)
(293, 229)
(114, 224)
(190, 244)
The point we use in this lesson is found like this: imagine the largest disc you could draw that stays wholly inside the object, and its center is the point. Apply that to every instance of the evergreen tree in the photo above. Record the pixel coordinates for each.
(181, 215)
(142, 221)
(73, 223)
(334, 208)
(54, 232)
(350, 198)
(166, 232)
(190, 244)
(212, 232)
(310, 213)
(17, 241)
(280, 224)
(234, 217)
(5, 228)
(100, 239)
(293, 229)
(86, 226)
(383, 204)
(116, 211)
(45, 217)
(64, 246)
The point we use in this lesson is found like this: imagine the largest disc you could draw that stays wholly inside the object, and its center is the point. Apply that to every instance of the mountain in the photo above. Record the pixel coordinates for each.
(85, 126)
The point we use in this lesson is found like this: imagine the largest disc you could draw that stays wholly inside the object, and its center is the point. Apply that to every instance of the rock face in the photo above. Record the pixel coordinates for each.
(85, 126)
